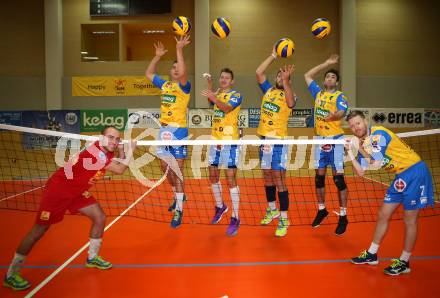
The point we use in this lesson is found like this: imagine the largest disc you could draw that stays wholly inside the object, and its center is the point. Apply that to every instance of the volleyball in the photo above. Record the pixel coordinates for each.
(284, 47)
(321, 28)
(181, 26)
(221, 27)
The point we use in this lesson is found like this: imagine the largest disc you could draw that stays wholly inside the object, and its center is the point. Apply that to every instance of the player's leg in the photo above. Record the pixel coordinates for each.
(266, 153)
(164, 166)
(13, 278)
(320, 194)
(179, 154)
(216, 186)
(279, 178)
(321, 154)
(271, 191)
(401, 265)
(234, 192)
(51, 210)
(339, 181)
(95, 213)
(217, 191)
(370, 256)
(418, 193)
(337, 163)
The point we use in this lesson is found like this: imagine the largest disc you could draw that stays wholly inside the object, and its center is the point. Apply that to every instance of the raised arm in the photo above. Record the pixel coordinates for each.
(286, 72)
(335, 116)
(311, 74)
(212, 97)
(151, 69)
(120, 164)
(182, 42)
(350, 145)
(353, 144)
(261, 77)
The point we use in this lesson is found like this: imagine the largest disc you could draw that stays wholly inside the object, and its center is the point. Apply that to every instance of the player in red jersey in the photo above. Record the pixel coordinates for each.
(68, 189)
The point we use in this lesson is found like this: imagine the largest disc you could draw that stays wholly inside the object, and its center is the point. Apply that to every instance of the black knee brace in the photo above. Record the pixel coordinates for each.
(283, 197)
(320, 181)
(340, 182)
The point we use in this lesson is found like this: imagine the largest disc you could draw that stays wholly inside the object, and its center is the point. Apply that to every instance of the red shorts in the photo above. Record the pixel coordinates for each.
(55, 202)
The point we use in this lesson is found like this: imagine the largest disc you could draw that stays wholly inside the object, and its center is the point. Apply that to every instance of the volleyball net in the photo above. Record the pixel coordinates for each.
(28, 157)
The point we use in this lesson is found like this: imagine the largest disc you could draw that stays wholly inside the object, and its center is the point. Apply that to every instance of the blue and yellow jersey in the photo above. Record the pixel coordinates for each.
(382, 144)
(174, 101)
(274, 112)
(225, 125)
(326, 103)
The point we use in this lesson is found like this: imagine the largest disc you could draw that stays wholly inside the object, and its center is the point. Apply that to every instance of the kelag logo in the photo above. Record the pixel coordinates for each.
(271, 107)
(219, 114)
(96, 120)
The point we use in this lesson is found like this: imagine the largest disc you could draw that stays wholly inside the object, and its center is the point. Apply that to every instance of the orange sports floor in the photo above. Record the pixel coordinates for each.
(152, 260)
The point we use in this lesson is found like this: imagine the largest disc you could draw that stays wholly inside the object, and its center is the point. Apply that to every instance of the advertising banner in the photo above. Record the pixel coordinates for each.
(10, 117)
(57, 120)
(398, 117)
(114, 86)
(96, 120)
(202, 118)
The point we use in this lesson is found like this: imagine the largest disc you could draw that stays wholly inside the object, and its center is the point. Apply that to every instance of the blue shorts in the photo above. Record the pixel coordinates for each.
(273, 156)
(330, 155)
(169, 133)
(224, 156)
(413, 188)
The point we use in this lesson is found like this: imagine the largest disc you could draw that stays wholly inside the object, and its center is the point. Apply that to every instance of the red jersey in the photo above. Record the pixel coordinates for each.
(81, 172)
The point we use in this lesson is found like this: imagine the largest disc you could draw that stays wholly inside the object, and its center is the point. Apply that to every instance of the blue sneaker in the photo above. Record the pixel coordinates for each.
(233, 227)
(365, 258)
(177, 219)
(219, 213)
(397, 267)
(173, 205)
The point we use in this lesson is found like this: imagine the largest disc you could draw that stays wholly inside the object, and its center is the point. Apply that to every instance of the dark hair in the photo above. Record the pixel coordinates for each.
(333, 71)
(107, 127)
(355, 113)
(228, 70)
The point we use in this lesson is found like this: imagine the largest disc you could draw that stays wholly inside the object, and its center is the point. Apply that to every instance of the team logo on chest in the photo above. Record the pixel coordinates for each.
(102, 156)
(166, 136)
(399, 185)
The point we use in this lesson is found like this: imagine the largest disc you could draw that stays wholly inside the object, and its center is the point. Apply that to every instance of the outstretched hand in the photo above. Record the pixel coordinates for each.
(182, 41)
(160, 49)
(287, 71)
(210, 94)
(332, 60)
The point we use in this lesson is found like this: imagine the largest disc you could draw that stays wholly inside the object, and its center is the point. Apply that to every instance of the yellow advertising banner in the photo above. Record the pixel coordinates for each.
(114, 86)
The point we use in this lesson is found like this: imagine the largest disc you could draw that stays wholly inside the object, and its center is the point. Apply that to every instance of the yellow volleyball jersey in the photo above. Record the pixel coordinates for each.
(396, 155)
(274, 112)
(326, 103)
(225, 125)
(174, 102)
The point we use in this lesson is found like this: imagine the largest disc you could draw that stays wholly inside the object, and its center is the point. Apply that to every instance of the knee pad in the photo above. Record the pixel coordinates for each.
(340, 182)
(320, 181)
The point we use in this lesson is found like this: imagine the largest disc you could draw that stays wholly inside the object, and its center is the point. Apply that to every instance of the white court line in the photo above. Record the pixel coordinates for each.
(21, 193)
(75, 255)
